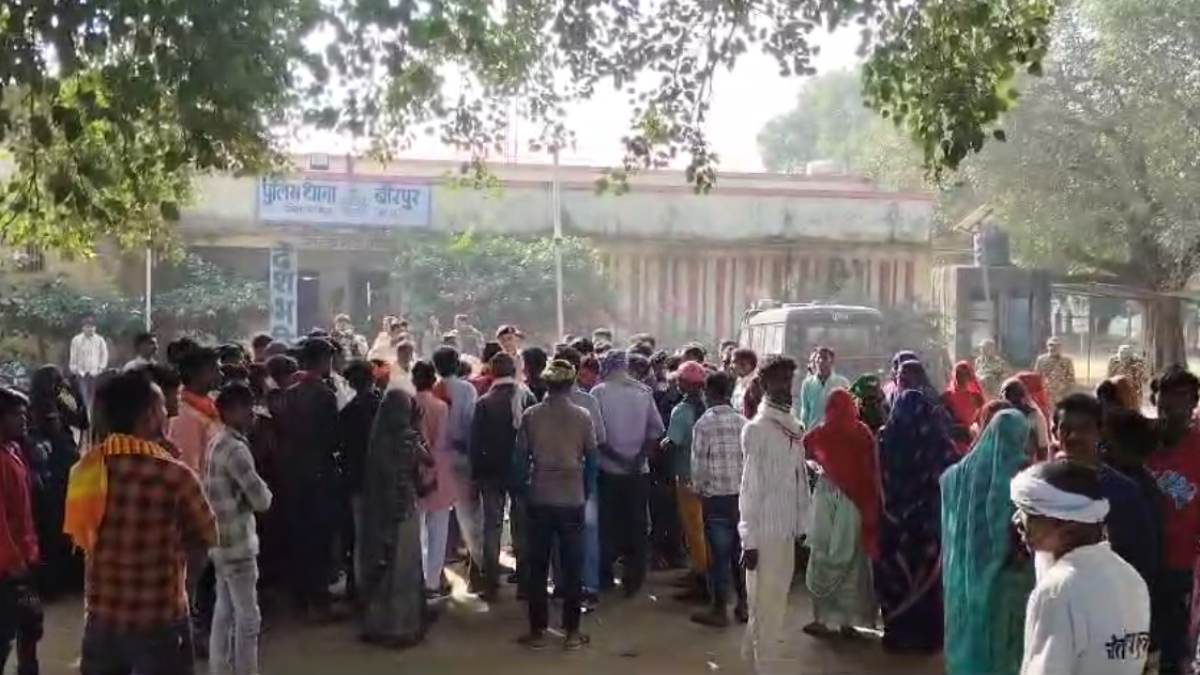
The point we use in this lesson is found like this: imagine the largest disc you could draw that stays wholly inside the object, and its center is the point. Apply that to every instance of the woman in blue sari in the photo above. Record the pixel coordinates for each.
(915, 448)
(891, 389)
(987, 581)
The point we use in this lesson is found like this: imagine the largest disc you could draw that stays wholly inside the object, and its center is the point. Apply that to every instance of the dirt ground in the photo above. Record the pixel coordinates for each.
(648, 635)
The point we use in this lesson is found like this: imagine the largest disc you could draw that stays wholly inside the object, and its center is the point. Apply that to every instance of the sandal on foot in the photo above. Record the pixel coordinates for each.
(534, 641)
(576, 641)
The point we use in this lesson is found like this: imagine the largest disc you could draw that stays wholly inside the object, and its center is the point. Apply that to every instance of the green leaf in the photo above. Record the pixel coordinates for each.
(40, 128)
(170, 211)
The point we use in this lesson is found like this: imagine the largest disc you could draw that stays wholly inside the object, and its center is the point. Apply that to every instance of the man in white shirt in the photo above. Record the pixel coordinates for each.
(745, 367)
(145, 346)
(89, 358)
(1090, 611)
(773, 504)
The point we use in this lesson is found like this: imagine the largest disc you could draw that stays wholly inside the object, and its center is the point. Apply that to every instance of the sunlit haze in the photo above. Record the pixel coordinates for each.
(743, 101)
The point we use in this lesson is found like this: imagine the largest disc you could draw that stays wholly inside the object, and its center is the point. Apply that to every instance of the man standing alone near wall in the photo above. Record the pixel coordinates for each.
(89, 358)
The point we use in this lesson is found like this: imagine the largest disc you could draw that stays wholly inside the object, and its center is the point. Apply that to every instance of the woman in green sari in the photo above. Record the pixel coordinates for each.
(986, 577)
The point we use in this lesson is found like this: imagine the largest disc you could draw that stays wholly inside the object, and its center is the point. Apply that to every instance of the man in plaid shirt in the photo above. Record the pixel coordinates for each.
(154, 515)
(717, 477)
(236, 492)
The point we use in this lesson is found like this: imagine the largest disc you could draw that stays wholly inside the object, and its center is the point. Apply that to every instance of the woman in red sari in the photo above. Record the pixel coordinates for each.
(964, 399)
(844, 536)
(1035, 386)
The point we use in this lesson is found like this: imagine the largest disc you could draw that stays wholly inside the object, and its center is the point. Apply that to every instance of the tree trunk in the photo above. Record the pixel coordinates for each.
(1164, 333)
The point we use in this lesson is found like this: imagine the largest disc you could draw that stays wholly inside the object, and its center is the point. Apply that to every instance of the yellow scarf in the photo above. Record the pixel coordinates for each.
(87, 488)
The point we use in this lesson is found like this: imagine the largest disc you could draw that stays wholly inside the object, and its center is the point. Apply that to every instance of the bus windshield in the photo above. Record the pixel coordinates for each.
(844, 338)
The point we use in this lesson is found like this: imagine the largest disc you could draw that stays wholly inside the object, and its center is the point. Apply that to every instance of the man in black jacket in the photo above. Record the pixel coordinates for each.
(354, 435)
(493, 437)
(310, 426)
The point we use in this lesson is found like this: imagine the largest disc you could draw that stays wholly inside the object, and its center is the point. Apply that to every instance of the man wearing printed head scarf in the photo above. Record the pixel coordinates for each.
(632, 428)
(555, 446)
(678, 447)
(1090, 611)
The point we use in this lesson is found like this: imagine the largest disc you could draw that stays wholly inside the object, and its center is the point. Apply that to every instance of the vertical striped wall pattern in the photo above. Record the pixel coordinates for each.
(675, 291)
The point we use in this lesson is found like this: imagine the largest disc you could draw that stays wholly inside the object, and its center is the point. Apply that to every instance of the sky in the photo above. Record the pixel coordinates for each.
(743, 101)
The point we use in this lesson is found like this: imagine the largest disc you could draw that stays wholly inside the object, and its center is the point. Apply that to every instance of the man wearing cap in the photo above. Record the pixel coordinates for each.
(493, 437)
(467, 338)
(1090, 611)
(814, 390)
(991, 368)
(510, 338)
(678, 448)
(632, 428)
(354, 346)
(1129, 363)
(1056, 369)
(604, 335)
(558, 440)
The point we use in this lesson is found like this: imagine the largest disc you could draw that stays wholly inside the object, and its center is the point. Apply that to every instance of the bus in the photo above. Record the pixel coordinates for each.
(854, 333)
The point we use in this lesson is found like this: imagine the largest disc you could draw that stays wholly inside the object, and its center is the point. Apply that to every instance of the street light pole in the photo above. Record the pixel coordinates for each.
(556, 205)
(149, 281)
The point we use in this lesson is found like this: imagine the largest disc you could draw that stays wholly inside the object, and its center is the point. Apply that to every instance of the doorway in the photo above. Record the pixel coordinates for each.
(308, 301)
(370, 298)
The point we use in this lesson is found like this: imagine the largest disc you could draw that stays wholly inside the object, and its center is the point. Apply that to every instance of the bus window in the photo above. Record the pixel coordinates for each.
(774, 339)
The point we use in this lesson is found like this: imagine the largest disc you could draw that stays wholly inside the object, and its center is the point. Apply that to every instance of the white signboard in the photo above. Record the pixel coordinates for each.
(318, 201)
(283, 292)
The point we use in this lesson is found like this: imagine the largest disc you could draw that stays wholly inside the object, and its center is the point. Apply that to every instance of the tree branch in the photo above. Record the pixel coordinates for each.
(1123, 271)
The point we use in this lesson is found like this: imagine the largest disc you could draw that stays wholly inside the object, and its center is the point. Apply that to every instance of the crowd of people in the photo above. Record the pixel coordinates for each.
(1024, 526)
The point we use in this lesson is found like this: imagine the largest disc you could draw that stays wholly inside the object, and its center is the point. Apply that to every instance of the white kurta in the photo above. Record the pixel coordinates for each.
(767, 592)
(1088, 615)
(774, 504)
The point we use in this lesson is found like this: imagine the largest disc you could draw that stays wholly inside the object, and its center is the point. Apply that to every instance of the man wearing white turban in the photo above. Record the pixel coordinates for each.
(1090, 611)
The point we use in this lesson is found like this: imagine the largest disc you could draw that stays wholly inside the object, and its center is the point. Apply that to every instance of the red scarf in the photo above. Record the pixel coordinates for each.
(1035, 386)
(964, 399)
(845, 449)
(200, 403)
